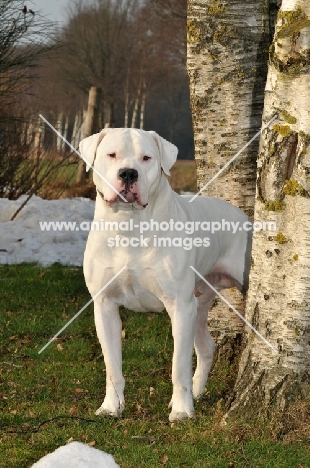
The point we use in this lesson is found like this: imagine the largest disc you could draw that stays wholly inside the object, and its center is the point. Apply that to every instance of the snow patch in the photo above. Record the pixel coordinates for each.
(22, 240)
(76, 455)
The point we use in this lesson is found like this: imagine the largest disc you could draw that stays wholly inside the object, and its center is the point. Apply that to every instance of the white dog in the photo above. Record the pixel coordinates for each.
(148, 237)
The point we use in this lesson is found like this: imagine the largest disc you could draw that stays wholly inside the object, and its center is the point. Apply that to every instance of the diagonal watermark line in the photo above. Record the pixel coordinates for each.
(83, 308)
(79, 154)
(236, 312)
(233, 158)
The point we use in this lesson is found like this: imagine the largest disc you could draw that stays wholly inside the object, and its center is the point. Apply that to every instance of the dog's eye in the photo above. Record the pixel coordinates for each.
(112, 155)
(146, 158)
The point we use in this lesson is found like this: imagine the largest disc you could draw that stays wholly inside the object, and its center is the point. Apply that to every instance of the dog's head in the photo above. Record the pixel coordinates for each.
(127, 164)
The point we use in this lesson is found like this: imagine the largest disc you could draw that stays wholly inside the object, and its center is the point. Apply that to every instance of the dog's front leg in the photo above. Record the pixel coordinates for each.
(183, 318)
(109, 331)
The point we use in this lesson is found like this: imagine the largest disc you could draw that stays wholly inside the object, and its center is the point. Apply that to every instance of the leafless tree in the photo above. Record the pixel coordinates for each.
(136, 55)
(128, 51)
(25, 37)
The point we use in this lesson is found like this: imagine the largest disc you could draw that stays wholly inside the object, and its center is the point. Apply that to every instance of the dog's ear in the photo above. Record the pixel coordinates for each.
(89, 145)
(167, 151)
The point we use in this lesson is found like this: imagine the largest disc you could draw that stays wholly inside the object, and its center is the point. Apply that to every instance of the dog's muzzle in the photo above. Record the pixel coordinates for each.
(127, 175)
(129, 178)
(127, 191)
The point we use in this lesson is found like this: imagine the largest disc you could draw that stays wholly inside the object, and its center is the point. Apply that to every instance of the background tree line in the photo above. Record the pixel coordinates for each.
(134, 51)
(25, 38)
(136, 54)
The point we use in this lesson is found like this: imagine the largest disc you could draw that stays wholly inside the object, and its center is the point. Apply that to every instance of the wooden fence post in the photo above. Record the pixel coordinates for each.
(91, 124)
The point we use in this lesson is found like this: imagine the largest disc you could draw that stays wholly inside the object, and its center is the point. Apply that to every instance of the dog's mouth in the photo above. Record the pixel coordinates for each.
(125, 197)
(128, 195)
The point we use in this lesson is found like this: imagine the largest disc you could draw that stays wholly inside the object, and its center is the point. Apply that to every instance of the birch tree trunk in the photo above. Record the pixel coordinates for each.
(126, 115)
(278, 302)
(227, 64)
(65, 133)
(136, 105)
(76, 129)
(142, 108)
(38, 139)
(60, 128)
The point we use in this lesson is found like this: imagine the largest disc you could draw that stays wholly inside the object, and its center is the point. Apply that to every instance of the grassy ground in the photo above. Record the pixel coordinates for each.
(49, 399)
(183, 176)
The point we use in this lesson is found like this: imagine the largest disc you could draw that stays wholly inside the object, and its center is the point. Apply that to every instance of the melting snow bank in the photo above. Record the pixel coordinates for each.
(22, 240)
(76, 455)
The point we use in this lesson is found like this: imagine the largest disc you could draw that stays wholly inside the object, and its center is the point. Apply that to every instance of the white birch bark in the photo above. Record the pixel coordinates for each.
(65, 133)
(278, 302)
(36, 154)
(142, 109)
(74, 139)
(227, 65)
(126, 115)
(30, 128)
(136, 105)
(59, 126)
(25, 133)
(78, 128)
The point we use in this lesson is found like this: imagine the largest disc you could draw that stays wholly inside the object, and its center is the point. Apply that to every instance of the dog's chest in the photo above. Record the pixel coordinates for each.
(141, 301)
(140, 287)
(139, 293)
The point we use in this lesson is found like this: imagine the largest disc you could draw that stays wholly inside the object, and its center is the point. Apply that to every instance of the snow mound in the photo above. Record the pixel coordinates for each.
(76, 455)
(23, 240)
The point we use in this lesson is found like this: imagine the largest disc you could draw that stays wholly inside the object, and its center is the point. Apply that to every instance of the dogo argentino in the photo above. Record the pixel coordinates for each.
(158, 274)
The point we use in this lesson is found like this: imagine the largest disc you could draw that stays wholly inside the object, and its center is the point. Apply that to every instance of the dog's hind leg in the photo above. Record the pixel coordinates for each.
(204, 345)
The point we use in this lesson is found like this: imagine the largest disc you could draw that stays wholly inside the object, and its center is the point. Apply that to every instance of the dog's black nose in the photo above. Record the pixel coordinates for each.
(128, 175)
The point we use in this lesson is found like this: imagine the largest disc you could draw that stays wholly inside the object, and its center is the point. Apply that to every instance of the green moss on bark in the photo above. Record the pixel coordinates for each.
(292, 22)
(288, 118)
(292, 187)
(283, 130)
(216, 8)
(274, 205)
(193, 32)
(280, 238)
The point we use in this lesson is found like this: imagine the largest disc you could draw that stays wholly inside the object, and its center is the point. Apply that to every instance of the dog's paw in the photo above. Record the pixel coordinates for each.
(106, 412)
(179, 416)
(198, 388)
(181, 409)
(110, 410)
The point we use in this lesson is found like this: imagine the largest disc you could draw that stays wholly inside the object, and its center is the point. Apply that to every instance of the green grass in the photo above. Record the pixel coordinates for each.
(66, 171)
(183, 176)
(50, 398)
(62, 181)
